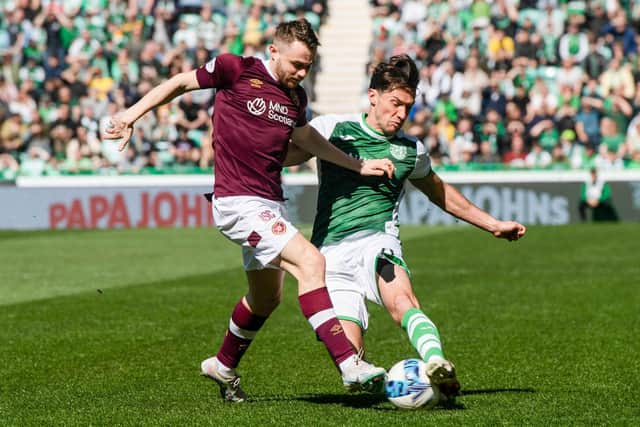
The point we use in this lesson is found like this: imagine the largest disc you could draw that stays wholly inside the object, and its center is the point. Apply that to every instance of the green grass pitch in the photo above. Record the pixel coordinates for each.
(109, 328)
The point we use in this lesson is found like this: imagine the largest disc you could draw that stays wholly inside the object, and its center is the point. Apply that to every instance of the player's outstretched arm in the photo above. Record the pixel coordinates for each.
(453, 202)
(296, 155)
(121, 126)
(308, 139)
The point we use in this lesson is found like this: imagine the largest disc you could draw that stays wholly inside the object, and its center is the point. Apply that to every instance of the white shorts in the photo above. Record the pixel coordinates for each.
(351, 272)
(259, 225)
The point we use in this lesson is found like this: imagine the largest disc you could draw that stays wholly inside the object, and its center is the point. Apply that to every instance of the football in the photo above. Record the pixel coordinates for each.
(407, 385)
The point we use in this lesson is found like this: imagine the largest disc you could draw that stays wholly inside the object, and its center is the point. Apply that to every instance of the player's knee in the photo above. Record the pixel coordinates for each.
(400, 304)
(313, 264)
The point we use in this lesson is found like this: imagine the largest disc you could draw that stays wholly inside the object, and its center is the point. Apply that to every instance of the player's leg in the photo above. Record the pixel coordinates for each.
(353, 331)
(400, 301)
(343, 278)
(303, 261)
(254, 224)
(248, 316)
(344, 283)
(269, 239)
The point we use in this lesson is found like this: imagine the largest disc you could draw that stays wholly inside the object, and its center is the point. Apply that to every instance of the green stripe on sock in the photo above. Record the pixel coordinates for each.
(424, 335)
(432, 352)
(427, 328)
(407, 316)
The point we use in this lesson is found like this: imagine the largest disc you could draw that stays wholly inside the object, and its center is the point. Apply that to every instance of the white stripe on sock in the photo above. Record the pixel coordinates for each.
(320, 317)
(415, 320)
(425, 339)
(427, 345)
(239, 332)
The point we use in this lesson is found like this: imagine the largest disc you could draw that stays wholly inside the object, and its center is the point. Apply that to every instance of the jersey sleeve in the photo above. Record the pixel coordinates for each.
(423, 162)
(220, 71)
(326, 123)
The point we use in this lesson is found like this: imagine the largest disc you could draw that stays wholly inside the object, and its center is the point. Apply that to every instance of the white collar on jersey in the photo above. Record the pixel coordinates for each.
(265, 62)
(370, 131)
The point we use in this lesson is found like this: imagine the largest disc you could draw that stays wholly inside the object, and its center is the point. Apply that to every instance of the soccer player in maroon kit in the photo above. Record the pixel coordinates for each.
(259, 106)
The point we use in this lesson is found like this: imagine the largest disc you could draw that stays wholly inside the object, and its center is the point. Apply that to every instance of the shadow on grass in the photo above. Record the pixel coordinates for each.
(497, 390)
(352, 400)
(369, 401)
(378, 402)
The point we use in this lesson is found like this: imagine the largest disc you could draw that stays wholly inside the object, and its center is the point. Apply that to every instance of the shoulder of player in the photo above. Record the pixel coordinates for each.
(334, 119)
(236, 61)
(223, 61)
(327, 123)
(404, 138)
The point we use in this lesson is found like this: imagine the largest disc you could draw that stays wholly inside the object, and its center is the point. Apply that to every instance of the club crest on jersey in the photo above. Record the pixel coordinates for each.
(398, 151)
(256, 83)
(257, 106)
(266, 216)
(278, 228)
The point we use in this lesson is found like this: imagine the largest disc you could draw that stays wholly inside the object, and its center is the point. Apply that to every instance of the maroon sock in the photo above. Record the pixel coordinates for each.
(243, 327)
(318, 309)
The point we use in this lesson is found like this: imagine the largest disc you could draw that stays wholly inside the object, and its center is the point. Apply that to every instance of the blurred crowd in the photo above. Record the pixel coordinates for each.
(529, 83)
(68, 65)
(504, 83)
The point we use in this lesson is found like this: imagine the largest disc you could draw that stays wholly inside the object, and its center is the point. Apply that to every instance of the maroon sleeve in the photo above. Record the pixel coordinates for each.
(302, 117)
(220, 71)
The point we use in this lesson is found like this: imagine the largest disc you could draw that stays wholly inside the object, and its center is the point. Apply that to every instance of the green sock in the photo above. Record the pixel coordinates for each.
(423, 334)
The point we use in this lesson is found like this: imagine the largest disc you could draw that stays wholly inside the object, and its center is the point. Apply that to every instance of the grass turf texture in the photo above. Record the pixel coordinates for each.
(109, 328)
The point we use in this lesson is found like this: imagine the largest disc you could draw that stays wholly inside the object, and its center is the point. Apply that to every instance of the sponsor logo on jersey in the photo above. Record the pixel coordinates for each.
(276, 107)
(266, 216)
(398, 151)
(256, 83)
(277, 111)
(278, 228)
(257, 106)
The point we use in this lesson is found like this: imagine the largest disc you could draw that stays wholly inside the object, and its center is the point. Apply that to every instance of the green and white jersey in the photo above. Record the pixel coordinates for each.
(348, 202)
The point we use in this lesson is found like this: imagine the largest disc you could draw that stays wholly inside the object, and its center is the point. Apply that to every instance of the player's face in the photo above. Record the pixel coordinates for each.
(389, 109)
(291, 62)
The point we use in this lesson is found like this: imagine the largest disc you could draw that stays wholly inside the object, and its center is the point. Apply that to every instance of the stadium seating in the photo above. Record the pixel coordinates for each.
(504, 85)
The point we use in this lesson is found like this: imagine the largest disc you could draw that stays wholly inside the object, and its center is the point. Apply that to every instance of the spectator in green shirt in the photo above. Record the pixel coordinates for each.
(596, 196)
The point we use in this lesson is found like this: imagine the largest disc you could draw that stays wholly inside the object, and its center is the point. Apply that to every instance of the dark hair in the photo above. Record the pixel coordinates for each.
(298, 30)
(399, 72)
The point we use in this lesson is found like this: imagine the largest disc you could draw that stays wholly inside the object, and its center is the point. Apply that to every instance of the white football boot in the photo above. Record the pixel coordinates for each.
(442, 375)
(359, 375)
(227, 379)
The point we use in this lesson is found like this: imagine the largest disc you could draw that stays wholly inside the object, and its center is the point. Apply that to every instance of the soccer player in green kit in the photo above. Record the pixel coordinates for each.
(356, 225)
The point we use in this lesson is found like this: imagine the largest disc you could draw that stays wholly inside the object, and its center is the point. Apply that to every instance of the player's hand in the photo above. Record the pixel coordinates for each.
(510, 230)
(118, 128)
(377, 167)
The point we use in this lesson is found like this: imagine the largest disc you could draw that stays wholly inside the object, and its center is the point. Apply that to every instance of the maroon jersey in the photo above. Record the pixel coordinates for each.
(252, 122)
